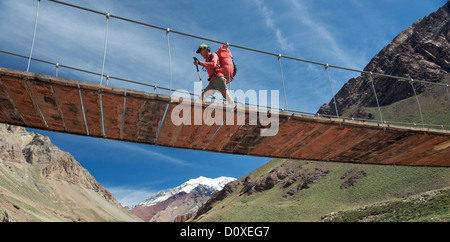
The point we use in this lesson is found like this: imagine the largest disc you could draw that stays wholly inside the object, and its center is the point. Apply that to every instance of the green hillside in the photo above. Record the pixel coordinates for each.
(308, 191)
(434, 104)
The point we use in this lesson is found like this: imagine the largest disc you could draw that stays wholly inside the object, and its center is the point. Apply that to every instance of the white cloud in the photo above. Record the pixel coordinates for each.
(267, 13)
(324, 39)
(129, 196)
(150, 153)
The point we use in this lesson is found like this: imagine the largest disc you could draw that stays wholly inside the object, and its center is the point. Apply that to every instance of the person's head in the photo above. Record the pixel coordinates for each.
(203, 50)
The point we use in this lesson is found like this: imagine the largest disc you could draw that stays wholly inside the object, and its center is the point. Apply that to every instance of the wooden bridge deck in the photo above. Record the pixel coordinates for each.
(62, 105)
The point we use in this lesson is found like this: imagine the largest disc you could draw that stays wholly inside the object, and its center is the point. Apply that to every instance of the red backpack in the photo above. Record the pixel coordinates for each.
(226, 63)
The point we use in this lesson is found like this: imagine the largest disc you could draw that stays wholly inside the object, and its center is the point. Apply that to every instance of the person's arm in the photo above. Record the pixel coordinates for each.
(211, 64)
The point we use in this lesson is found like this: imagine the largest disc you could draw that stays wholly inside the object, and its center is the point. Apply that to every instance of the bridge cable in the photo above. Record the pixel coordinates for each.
(56, 69)
(34, 34)
(243, 47)
(376, 98)
(170, 64)
(229, 71)
(104, 50)
(282, 80)
(102, 74)
(193, 94)
(418, 103)
(332, 92)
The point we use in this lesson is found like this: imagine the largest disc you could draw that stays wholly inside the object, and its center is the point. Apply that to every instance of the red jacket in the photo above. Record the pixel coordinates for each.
(212, 66)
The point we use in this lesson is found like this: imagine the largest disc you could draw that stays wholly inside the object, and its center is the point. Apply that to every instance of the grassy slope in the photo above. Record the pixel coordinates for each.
(381, 183)
(426, 207)
(434, 103)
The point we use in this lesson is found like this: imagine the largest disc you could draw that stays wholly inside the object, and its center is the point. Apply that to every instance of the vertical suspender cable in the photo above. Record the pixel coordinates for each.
(229, 71)
(376, 98)
(101, 76)
(104, 50)
(170, 64)
(34, 34)
(418, 103)
(282, 80)
(332, 92)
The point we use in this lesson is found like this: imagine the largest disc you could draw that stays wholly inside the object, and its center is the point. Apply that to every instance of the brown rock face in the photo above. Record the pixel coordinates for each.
(17, 145)
(421, 52)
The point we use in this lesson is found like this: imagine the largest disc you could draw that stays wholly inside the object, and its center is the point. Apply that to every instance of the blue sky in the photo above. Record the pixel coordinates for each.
(344, 33)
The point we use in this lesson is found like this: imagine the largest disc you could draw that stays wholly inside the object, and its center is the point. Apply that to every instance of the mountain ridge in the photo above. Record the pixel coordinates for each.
(180, 201)
(422, 52)
(286, 190)
(294, 190)
(40, 182)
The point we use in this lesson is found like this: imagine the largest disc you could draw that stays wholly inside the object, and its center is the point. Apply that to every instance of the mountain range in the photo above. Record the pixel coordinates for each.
(180, 201)
(39, 182)
(421, 52)
(292, 190)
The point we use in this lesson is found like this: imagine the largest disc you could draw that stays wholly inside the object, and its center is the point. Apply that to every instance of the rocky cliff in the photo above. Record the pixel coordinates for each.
(180, 203)
(39, 182)
(421, 52)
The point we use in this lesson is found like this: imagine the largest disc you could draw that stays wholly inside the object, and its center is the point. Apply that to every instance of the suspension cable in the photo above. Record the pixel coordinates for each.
(104, 50)
(170, 63)
(282, 80)
(243, 47)
(332, 92)
(375, 93)
(418, 103)
(34, 34)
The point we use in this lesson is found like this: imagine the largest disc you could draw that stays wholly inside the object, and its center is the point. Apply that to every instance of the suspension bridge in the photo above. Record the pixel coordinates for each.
(97, 110)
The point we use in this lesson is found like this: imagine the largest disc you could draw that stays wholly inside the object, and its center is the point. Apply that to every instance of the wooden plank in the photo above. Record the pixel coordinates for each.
(18, 92)
(113, 104)
(435, 158)
(384, 144)
(190, 133)
(399, 149)
(134, 100)
(313, 143)
(317, 142)
(211, 127)
(169, 130)
(9, 113)
(416, 152)
(226, 132)
(368, 148)
(151, 114)
(44, 97)
(296, 142)
(286, 133)
(349, 140)
(236, 142)
(258, 137)
(68, 97)
(92, 108)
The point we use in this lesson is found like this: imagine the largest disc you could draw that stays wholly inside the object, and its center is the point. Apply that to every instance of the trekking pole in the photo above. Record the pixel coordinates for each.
(198, 72)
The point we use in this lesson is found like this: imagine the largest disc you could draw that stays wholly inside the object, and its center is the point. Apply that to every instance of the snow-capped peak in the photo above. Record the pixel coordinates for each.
(217, 184)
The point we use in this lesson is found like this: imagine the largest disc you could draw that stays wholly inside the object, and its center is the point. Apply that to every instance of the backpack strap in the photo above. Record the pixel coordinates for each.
(218, 65)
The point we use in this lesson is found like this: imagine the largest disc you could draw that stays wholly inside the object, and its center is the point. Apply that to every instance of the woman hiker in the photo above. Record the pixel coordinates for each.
(217, 80)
